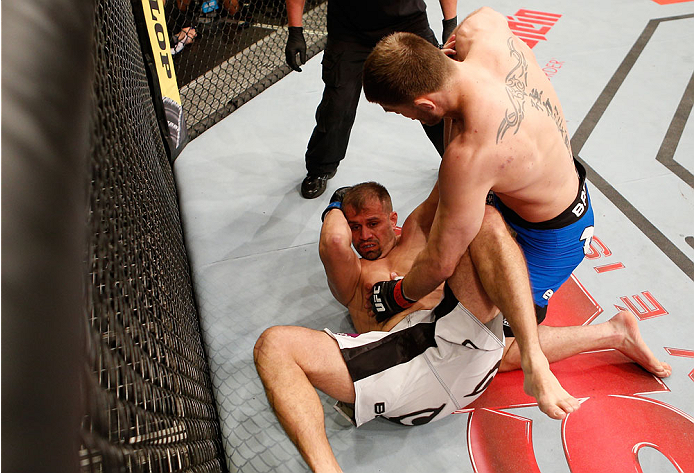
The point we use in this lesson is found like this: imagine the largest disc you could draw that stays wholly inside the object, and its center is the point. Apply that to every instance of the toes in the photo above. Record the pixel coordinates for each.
(554, 412)
(662, 371)
(559, 410)
(666, 370)
(569, 405)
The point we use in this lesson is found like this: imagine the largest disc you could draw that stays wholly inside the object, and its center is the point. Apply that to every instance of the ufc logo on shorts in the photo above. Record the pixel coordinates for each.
(377, 302)
(548, 293)
(581, 206)
(379, 408)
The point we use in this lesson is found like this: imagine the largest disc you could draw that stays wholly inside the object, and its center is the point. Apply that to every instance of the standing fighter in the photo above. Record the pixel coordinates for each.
(505, 132)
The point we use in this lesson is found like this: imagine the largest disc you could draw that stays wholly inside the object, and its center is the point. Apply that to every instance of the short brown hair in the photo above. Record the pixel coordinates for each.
(402, 67)
(358, 195)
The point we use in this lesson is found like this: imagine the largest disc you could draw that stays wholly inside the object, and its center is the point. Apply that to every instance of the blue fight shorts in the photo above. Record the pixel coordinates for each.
(555, 247)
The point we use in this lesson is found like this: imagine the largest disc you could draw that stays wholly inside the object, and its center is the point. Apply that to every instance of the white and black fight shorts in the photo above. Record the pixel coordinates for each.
(431, 364)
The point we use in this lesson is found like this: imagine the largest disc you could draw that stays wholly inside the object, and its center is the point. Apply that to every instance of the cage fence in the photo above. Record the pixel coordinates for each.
(227, 51)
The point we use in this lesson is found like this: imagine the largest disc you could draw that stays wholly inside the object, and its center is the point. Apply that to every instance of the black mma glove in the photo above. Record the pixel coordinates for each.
(296, 44)
(387, 299)
(448, 27)
(335, 201)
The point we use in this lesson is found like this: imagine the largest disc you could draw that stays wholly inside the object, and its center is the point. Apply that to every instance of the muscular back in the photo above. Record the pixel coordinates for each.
(512, 129)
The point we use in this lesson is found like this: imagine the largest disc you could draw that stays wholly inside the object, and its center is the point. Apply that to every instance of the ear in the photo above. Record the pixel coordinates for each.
(425, 103)
(394, 219)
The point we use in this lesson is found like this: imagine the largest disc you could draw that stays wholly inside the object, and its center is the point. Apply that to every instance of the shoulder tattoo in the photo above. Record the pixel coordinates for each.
(516, 89)
(516, 83)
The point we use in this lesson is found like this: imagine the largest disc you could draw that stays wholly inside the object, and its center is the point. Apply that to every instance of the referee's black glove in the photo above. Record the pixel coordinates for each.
(448, 28)
(296, 44)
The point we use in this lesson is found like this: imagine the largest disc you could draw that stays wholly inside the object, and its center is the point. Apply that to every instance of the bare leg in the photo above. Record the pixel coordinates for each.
(504, 275)
(468, 289)
(621, 332)
(290, 362)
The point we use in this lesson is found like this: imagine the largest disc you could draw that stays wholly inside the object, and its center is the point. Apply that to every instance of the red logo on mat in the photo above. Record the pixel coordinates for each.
(614, 422)
(531, 26)
(668, 2)
(644, 310)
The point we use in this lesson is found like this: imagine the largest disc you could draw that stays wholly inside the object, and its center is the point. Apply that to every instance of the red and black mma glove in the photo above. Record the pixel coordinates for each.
(335, 201)
(387, 299)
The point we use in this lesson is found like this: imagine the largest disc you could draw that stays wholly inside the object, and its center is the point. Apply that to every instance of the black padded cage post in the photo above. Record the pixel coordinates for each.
(103, 362)
(45, 110)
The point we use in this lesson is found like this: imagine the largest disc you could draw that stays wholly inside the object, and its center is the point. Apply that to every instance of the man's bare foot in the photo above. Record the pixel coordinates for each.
(633, 346)
(540, 383)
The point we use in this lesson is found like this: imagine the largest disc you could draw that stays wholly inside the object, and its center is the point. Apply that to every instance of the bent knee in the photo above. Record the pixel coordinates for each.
(270, 342)
(493, 220)
(493, 228)
(511, 359)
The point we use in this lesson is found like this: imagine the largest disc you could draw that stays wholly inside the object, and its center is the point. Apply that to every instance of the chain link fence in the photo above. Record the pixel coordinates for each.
(149, 396)
(228, 51)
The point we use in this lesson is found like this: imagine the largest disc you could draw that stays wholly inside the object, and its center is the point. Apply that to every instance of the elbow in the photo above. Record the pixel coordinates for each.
(443, 267)
(444, 262)
(447, 269)
(333, 242)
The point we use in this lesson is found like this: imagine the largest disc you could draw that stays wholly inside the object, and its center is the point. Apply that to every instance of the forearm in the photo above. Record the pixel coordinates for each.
(335, 235)
(341, 265)
(295, 12)
(447, 243)
(449, 8)
(427, 273)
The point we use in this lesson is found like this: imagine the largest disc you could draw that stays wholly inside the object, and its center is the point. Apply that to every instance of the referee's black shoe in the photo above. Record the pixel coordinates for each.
(314, 184)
